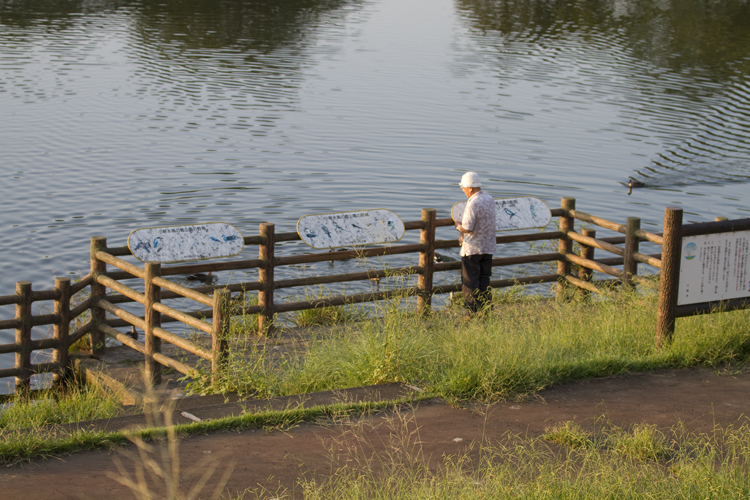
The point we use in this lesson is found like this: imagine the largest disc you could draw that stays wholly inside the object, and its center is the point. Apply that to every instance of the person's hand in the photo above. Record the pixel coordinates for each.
(458, 226)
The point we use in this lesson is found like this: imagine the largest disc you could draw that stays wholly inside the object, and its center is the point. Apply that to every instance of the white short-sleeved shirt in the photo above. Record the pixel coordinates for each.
(479, 218)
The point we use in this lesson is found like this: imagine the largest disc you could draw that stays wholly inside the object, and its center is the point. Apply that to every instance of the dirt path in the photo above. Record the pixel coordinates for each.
(698, 397)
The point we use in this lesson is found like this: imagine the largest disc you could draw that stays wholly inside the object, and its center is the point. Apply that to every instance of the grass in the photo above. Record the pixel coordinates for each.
(28, 426)
(641, 442)
(525, 344)
(569, 434)
(71, 404)
(244, 323)
(328, 316)
(617, 463)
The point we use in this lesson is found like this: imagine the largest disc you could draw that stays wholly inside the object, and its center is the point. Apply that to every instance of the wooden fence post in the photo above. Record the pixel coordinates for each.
(152, 318)
(23, 336)
(426, 260)
(265, 275)
(632, 245)
(63, 372)
(98, 291)
(587, 252)
(670, 275)
(565, 245)
(220, 332)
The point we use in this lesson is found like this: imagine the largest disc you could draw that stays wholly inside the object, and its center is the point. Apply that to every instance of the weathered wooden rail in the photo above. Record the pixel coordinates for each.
(108, 269)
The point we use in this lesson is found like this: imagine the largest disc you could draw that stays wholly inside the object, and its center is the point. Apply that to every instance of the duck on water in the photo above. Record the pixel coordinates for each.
(634, 183)
(202, 277)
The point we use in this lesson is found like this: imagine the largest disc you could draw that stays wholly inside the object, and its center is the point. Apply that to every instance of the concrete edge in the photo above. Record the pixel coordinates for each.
(94, 372)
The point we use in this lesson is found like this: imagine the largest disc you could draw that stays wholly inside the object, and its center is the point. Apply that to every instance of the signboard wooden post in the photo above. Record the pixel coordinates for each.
(670, 272)
(181, 243)
(513, 213)
(366, 227)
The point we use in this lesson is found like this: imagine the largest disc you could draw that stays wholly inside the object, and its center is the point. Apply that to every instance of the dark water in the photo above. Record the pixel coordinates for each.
(120, 115)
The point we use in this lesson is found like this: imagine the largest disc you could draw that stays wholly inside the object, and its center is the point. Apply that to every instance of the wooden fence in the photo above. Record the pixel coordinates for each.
(216, 298)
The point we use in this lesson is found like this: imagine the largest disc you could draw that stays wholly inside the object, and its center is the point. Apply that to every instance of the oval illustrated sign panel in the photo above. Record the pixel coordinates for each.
(180, 243)
(367, 227)
(513, 213)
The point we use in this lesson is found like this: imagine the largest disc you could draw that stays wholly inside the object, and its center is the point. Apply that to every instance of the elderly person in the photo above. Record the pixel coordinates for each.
(477, 228)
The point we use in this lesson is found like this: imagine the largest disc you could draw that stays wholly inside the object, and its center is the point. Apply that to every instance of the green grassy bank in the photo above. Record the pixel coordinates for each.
(523, 345)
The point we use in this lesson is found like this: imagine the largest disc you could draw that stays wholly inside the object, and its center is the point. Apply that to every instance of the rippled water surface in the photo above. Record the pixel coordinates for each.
(120, 115)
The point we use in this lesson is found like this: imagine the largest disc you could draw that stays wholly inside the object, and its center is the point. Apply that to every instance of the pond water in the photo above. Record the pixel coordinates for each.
(122, 115)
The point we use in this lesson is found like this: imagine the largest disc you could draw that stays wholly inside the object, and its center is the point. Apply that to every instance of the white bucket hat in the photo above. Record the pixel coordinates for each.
(470, 180)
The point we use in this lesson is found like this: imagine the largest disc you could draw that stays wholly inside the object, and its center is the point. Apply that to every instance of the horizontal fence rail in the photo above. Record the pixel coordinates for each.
(97, 313)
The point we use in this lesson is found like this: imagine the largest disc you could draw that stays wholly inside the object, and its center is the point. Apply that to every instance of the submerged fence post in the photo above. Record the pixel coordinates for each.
(98, 291)
(670, 275)
(220, 332)
(587, 252)
(632, 245)
(565, 245)
(61, 331)
(23, 336)
(426, 260)
(152, 318)
(265, 275)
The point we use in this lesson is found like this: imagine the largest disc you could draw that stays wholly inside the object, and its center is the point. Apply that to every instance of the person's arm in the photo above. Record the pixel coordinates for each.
(468, 217)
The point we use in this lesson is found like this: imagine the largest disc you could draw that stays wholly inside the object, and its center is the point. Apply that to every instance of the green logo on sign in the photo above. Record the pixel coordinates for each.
(690, 250)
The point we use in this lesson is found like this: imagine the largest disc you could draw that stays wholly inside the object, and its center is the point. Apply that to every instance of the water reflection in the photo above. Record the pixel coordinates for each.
(681, 66)
(254, 27)
(709, 36)
(64, 13)
(233, 63)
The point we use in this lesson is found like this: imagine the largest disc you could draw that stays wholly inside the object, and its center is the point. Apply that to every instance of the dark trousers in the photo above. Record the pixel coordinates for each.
(475, 280)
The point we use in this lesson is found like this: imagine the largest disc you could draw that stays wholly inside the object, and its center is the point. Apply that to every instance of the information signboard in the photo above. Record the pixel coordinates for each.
(513, 213)
(366, 227)
(714, 267)
(181, 243)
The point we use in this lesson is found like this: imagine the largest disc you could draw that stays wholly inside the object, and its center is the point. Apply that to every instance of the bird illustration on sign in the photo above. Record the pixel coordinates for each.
(181, 243)
(366, 227)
